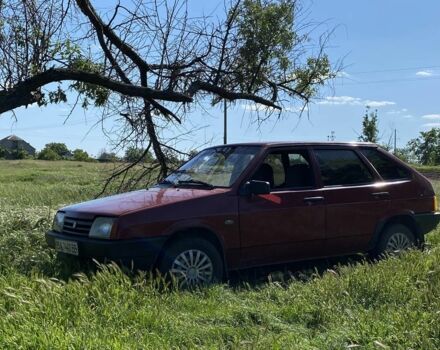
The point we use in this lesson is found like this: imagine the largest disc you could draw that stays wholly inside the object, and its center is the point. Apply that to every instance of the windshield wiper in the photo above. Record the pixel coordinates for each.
(166, 182)
(195, 182)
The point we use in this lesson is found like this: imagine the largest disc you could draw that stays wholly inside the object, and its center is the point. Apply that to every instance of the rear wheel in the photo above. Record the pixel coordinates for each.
(395, 239)
(192, 262)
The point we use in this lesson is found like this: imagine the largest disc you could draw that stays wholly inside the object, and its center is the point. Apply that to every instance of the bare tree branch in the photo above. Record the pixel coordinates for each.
(27, 92)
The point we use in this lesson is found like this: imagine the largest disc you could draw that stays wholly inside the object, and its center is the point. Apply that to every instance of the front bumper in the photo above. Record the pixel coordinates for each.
(427, 222)
(142, 252)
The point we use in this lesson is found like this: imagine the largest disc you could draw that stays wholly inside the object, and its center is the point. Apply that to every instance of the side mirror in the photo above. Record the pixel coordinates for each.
(257, 187)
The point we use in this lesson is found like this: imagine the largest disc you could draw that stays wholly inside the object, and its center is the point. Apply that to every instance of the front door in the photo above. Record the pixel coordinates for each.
(289, 223)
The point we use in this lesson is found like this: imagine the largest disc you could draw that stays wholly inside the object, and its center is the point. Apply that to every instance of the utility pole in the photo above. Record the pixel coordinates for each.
(395, 141)
(332, 136)
(225, 122)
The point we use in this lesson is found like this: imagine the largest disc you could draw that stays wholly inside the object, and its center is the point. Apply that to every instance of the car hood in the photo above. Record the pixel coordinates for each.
(138, 200)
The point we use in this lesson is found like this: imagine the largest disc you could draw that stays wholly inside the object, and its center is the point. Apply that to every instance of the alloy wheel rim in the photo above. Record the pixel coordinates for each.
(398, 242)
(192, 267)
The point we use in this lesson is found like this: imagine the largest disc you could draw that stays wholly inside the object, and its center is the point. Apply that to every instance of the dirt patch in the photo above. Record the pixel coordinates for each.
(432, 175)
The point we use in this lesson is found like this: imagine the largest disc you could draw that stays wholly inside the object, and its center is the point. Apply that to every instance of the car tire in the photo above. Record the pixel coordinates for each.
(192, 262)
(395, 239)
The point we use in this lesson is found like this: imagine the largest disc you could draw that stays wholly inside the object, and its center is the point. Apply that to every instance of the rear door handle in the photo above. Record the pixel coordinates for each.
(311, 200)
(381, 194)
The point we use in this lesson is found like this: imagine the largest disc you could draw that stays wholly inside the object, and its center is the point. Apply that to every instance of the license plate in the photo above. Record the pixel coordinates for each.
(68, 247)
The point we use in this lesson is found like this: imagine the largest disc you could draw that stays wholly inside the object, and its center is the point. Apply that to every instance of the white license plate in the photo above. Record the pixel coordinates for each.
(67, 247)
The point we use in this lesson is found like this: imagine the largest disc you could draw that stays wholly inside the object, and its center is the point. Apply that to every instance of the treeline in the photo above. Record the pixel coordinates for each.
(424, 149)
(59, 151)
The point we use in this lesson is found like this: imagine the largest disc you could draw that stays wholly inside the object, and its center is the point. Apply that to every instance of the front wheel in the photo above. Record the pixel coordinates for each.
(395, 239)
(192, 262)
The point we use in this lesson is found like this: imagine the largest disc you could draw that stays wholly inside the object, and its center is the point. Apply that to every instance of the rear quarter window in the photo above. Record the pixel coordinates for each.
(387, 168)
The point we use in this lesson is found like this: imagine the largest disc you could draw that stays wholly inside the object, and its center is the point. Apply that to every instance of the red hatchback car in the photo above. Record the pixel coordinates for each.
(237, 206)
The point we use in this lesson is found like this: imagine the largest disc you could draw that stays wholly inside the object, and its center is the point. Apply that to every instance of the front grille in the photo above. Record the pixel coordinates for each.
(76, 226)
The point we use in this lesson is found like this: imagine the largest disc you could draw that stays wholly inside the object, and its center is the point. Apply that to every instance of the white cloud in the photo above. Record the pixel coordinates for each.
(256, 107)
(432, 125)
(353, 101)
(401, 113)
(431, 116)
(379, 103)
(425, 73)
(343, 74)
(340, 100)
(397, 111)
(296, 109)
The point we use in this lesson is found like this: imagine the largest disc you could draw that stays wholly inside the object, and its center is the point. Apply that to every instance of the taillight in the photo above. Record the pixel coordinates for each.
(435, 203)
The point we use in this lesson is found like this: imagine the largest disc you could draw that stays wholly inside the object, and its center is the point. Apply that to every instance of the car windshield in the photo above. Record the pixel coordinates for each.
(214, 167)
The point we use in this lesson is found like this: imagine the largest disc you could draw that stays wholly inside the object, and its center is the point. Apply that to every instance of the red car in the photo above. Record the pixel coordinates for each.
(237, 206)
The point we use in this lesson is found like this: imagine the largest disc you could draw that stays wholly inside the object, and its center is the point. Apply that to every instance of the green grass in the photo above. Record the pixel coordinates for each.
(427, 168)
(436, 185)
(48, 303)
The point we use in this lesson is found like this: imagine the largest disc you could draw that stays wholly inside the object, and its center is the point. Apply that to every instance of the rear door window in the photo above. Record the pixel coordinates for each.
(388, 169)
(342, 167)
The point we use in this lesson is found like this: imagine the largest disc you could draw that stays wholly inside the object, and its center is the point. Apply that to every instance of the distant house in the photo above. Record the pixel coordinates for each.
(13, 143)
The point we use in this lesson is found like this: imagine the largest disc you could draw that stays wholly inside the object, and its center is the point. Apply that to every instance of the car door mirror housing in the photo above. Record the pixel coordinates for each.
(257, 187)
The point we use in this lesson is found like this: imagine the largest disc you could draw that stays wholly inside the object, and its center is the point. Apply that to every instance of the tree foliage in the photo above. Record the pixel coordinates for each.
(48, 154)
(145, 63)
(426, 147)
(107, 157)
(80, 155)
(19, 153)
(54, 151)
(370, 128)
(135, 154)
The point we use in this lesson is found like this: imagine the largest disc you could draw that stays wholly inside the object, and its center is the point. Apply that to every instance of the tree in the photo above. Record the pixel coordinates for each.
(48, 154)
(192, 153)
(134, 154)
(404, 154)
(426, 147)
(81, 155)
(151, 61)
(107, 157)
(3, 153)
(60, 149)
(370, 130)
(19, 153)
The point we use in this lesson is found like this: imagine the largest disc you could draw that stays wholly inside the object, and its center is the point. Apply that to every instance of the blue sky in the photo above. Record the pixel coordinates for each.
(391, 52)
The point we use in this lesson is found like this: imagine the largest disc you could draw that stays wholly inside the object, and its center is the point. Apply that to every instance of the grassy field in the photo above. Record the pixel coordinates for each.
(48, 303)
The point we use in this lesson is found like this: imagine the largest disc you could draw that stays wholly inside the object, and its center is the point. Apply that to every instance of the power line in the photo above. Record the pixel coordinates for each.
(395, 69)
(388, 81)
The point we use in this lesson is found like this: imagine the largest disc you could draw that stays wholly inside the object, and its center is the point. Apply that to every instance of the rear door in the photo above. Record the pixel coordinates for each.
(289, 223)
(404, 193)
(355, 198)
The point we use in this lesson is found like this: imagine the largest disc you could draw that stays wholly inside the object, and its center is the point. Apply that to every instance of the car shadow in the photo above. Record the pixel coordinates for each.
(70, 267)
(285, 273)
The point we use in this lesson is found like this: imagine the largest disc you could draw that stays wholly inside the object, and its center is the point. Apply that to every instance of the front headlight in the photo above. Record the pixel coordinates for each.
(58, 222)
(101, 228)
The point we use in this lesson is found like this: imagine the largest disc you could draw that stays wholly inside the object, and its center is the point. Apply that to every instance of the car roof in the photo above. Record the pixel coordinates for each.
(301, 143)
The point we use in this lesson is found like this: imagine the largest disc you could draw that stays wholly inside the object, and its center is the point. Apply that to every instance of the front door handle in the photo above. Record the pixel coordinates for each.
(381, 194)
(311, 200)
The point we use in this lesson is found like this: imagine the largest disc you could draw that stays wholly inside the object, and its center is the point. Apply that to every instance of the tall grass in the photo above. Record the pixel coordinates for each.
(48, 303)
